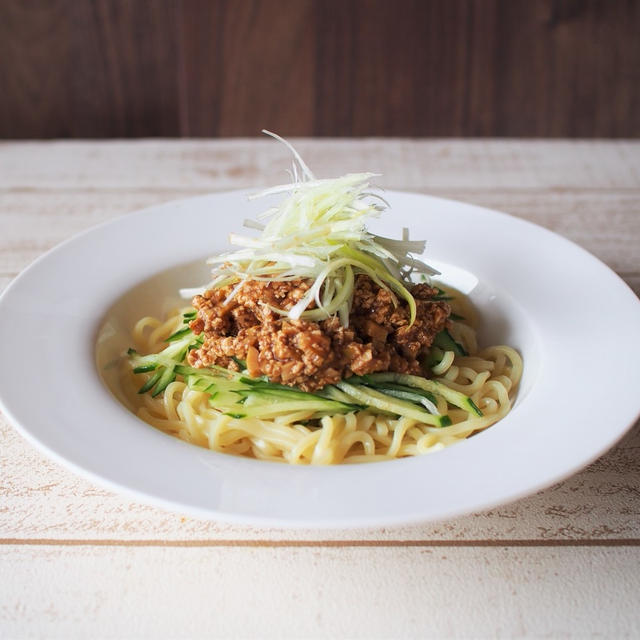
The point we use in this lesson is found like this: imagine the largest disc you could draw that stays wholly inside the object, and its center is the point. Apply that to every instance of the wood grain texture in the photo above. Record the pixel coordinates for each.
(605, 223)
(81, 561)
(416, 165)
(113, 68)
(318, 593)
(40, 500)
(588, 191)
(88, 69)
(247, 62)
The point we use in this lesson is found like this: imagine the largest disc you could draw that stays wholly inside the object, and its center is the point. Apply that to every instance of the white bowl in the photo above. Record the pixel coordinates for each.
(572, 319)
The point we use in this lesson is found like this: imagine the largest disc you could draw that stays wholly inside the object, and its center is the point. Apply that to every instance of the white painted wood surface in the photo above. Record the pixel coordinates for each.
(79, 561)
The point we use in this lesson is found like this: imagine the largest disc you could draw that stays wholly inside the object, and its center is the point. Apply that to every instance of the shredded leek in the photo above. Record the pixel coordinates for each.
(318, 233)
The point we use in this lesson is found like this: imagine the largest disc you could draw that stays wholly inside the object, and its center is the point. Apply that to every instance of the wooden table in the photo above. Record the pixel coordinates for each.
(79, 561)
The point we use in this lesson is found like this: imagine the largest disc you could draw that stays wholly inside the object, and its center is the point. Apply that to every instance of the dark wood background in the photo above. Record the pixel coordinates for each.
(129, 68)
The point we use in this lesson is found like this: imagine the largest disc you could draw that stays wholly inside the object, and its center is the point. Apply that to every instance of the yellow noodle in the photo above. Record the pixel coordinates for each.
(444, 364)
(489, 376)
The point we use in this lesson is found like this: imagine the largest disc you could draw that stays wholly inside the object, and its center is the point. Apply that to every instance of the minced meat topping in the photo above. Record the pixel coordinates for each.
(310, 355)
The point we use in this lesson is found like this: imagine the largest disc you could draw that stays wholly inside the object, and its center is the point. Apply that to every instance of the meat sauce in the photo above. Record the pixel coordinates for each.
(310, 355)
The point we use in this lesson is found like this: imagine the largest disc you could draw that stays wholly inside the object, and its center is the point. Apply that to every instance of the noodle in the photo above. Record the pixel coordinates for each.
(490, 377)
(316, 264)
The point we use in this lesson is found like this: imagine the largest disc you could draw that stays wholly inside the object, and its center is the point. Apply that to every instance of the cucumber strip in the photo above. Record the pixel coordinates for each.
(185, 370)
(454, 397)
(167, 377)
(241, 363)
(207, 372)
(419, 396)
(219, 397)
(273, 395)
(258, 398)
(213, 372)
(180, 333)
(445, 341)
(168, 357)
(401, 387)
(225, 401)
(416, 398)
(272, 409)
(281, 391)
(144, 364)
(377, 400)
(289, 394)
(145, 368)
(180, 356)
(151, 382)
(263, 383)
(213, 383)
(334, 393)
(200, 384)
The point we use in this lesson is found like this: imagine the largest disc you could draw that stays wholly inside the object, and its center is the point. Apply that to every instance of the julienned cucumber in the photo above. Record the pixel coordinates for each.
(438, 388)
(378, 400)
(180, 333)
(164, 364)
(445, 341)
(239, 395)
(385, 387)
